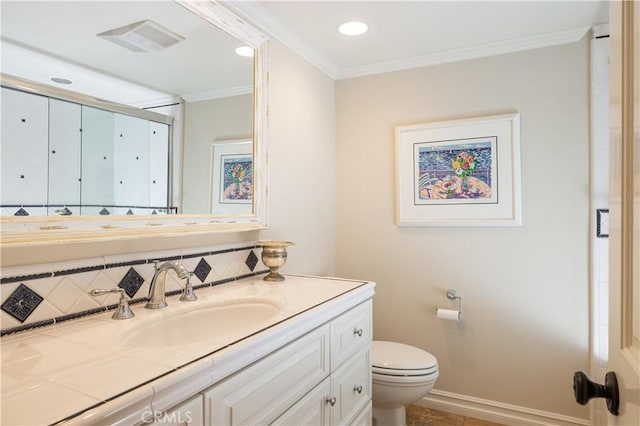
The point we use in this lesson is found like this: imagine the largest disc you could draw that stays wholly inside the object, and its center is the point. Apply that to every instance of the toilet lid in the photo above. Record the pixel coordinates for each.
(394, 358)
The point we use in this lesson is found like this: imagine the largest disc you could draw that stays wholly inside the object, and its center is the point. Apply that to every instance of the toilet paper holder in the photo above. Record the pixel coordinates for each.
(453, 295)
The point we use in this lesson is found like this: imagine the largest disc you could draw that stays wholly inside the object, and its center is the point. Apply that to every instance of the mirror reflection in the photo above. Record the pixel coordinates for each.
(62, 157)
(157, 57)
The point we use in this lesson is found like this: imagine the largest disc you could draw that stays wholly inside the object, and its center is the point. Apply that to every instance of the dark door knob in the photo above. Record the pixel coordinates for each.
(584, 389)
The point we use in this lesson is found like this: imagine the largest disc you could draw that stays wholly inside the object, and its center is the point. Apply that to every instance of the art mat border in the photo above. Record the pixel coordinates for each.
(506, 212)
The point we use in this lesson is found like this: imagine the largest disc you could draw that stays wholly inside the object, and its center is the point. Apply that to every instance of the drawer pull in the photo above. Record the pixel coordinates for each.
(357, 388)
(332, 400)
(357, 332)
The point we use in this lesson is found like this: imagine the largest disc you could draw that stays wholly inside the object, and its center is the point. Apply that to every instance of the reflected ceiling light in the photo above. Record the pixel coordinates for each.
(353, 28)
(61, 80)
(245, 51)
(143, 36)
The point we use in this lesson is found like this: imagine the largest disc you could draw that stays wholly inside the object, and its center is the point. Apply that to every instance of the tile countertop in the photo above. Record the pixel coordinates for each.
(81, 369)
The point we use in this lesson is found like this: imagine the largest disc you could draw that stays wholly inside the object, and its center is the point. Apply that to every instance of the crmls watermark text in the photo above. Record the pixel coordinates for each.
(160, 417)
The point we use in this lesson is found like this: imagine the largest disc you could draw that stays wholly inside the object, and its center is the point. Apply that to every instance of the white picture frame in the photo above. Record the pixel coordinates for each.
(462, 172)
(225, 154)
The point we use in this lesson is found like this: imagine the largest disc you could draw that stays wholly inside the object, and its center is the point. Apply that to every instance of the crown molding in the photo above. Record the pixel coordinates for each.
(261, 18)
(466, 53)
(217, 94)
(267, 23)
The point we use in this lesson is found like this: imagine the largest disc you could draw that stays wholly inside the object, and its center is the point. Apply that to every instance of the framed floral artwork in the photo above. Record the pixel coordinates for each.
(231, 177)
(459, 173)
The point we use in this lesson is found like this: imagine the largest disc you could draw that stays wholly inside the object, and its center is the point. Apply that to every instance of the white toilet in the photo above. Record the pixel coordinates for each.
(401, 374)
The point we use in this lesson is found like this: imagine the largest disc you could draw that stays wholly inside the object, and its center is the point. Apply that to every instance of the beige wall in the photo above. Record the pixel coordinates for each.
(524, 289)
(525, 327)
(207, 122)
(301, 179)
(302, 162)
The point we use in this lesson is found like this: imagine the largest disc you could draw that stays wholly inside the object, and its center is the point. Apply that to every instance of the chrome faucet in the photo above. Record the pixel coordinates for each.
(157, 289)
(123, 311)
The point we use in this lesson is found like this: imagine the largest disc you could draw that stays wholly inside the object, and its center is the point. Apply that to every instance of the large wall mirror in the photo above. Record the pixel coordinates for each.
(183, 80)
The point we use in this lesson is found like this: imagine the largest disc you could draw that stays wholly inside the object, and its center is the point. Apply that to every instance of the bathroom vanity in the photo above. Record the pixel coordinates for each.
(245, 353)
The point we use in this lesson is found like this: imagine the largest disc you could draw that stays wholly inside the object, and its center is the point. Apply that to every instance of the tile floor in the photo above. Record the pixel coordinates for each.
(421, 416)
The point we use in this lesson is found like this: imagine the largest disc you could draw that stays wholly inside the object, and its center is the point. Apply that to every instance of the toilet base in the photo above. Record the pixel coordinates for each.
(389, 416)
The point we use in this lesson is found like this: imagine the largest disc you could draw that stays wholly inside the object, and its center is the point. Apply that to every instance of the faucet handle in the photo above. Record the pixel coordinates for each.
(188, 295)
(123, 311)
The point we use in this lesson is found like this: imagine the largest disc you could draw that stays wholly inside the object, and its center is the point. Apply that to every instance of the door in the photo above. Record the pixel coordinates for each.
(624, 206)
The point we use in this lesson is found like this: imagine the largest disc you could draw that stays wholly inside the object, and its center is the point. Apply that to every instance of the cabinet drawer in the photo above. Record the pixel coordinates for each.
(351, 386)
(350, 390)
(262, 392)
(312, 410)
(350, 333)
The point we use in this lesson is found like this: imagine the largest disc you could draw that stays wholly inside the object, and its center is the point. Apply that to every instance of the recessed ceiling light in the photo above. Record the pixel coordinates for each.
(245, 51)
(61, 80)
(353, 28)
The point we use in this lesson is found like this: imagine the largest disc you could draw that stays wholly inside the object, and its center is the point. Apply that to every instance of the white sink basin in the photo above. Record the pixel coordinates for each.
(209, 322)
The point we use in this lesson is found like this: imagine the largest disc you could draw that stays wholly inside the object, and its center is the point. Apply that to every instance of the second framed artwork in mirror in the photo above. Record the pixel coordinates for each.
(231, 183)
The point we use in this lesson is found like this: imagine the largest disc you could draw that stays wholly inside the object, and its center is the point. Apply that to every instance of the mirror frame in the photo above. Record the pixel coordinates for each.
(30, 231)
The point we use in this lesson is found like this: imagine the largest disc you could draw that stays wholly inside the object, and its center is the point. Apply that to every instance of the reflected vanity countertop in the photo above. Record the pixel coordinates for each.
(89, 369)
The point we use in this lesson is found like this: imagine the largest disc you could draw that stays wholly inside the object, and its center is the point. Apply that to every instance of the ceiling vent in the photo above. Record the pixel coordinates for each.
(143, 36)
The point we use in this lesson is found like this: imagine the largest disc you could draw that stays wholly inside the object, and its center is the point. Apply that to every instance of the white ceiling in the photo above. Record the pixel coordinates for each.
(402, 34)
(405, 34)
(204, 65)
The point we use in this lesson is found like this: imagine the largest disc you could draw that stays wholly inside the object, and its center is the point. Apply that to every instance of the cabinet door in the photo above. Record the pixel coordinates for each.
(312, 410)
(350, 333)
(262, 392)
(24, 147)
(190, 412)
(351, 386)
(365, 417)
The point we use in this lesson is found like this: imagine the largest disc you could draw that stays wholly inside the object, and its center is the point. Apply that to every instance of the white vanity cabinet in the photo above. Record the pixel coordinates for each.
(261, 392)
(344, 398)
(351, 388)
(322, 378)
(189, 413)
(309, 364)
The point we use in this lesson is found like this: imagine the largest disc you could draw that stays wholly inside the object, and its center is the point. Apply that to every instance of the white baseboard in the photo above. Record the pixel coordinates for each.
(493, 411)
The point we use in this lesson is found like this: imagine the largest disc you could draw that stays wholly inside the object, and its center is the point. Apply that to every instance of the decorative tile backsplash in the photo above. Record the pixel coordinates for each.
(38, 295)
(21, 303)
